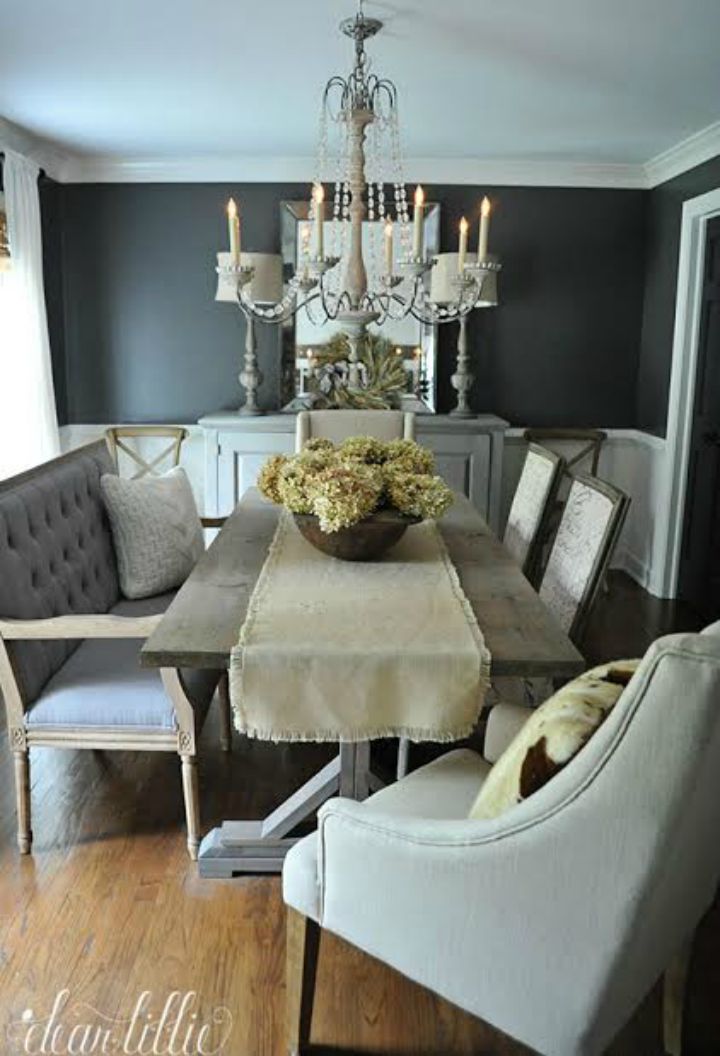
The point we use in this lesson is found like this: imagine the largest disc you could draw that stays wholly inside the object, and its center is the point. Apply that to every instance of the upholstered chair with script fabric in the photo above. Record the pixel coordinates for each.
(581, 552)
(339, 425)
(553, 919)
(532, 503)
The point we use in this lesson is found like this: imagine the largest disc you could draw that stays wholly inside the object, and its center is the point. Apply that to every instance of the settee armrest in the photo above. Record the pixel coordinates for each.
(212, 522)
(504, 723)
(80, 625)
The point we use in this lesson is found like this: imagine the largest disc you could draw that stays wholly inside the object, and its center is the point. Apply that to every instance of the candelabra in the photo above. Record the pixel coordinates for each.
(359, 152)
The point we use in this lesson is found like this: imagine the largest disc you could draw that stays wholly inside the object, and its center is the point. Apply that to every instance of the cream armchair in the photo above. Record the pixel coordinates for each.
(552, 921)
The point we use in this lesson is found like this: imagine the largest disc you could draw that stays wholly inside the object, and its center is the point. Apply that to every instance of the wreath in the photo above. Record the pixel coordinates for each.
(384, 378)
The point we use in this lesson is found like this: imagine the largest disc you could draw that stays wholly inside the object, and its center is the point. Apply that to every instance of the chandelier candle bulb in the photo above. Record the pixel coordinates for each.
(389, 248)
(418, 222)
(462, 248)
(484, 229)
(234, 232)
(319, 196)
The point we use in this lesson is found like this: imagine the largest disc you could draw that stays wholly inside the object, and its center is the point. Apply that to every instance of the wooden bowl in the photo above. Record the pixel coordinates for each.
(366, 541)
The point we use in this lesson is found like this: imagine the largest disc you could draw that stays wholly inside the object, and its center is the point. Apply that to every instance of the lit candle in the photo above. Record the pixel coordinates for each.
(389, 248)
(484, 229)
(319, 198)
(234, 232)
(418, 222)
(462, 248)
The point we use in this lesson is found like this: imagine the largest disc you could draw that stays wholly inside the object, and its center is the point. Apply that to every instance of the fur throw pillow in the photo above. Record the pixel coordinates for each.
(553, 734)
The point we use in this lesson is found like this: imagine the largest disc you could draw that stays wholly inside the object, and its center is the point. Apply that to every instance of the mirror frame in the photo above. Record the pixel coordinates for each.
(292, 214)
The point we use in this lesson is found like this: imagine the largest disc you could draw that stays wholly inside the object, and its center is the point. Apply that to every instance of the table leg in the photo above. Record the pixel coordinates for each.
(238, 847)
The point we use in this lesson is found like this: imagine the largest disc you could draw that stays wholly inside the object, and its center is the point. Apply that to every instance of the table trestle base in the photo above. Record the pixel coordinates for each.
(238, 847)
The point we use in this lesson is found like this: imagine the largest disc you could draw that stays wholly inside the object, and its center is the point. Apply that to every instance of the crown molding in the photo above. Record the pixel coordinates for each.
(68, 167)
(47, 155)
(244, 169)
(700, 147)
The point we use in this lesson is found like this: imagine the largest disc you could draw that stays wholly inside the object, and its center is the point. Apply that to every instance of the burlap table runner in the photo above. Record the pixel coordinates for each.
(334, 650)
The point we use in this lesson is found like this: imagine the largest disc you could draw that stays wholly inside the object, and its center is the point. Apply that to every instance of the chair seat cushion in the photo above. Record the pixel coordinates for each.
(444, 789)
(551, 737)
(102, 685)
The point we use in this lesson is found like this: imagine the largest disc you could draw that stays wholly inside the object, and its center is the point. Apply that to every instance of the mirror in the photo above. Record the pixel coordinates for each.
(303, 340)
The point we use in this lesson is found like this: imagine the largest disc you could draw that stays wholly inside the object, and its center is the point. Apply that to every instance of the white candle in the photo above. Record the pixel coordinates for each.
(234, 232)
(484, 229)
(418, 222)
(319, 197)
(389, 248)
(462, 247)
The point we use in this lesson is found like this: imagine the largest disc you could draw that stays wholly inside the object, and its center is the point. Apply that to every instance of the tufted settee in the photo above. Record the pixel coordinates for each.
(69, 643)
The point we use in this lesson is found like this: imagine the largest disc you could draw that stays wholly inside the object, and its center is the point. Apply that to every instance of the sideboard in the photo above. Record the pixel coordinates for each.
(468, 453)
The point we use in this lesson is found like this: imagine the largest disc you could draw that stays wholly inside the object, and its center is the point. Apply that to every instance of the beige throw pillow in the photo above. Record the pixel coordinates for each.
(552, 735)
(156, 531)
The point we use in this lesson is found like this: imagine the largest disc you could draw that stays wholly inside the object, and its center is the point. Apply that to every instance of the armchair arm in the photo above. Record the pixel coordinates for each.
(504, 722)
(469, 909)
(80, 625)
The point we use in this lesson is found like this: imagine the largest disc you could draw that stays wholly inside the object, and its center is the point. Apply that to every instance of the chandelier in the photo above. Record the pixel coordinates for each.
(342, 276)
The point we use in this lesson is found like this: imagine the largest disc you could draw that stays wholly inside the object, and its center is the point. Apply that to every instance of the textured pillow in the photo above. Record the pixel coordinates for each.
(156, 531)
(552, 735)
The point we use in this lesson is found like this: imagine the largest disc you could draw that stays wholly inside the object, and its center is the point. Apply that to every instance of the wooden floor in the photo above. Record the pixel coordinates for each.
(109, 906)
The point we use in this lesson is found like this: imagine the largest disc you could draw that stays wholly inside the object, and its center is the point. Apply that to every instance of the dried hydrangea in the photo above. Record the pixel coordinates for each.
(364, 449)
(268, 478)
(294, 482)
(419, 494)
(409, 457)
(316, 459)
(344, 484)
(318, 443)
(345, 494)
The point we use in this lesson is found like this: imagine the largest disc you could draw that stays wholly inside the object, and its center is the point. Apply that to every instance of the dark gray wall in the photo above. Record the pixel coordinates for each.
(663, 242)
(144, 340)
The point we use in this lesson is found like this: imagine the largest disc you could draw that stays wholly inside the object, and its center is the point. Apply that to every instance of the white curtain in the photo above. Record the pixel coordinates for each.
(28, 419)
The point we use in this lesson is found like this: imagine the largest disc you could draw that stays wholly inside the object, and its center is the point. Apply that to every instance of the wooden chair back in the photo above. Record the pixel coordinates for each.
(169, 456)
(531, 508)
(581, 552)
(585, 444)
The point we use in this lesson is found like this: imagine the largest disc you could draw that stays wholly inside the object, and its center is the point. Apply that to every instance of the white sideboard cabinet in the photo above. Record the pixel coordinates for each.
(468, 454)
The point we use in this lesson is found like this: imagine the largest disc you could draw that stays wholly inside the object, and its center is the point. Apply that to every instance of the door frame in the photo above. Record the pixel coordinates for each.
(696, 213)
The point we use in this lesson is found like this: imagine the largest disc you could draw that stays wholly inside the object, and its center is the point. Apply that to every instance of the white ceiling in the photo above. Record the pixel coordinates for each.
(586, 81)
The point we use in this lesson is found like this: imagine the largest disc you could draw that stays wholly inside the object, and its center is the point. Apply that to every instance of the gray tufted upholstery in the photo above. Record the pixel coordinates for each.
(56, 554)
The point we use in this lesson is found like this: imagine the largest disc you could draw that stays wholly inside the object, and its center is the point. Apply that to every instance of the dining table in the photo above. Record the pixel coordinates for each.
(202, 625)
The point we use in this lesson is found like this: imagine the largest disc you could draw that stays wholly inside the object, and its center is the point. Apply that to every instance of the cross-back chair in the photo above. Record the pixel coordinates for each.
(169, 456)
(587, 446)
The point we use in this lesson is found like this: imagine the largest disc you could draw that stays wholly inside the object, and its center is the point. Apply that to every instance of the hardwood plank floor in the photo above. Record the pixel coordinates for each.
(109, 906)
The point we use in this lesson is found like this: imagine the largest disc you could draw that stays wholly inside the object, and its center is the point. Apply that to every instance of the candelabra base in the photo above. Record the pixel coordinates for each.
(457, 412)
(250, 412)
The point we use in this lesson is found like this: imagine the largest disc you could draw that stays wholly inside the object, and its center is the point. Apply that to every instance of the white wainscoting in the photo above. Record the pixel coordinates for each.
(632, 460)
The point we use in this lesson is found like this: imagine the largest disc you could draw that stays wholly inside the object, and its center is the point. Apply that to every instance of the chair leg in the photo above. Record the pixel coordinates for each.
(192, 804)
(225, 713)
(674, 989)
(303, 946)
(402, 758)
(22, 794)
